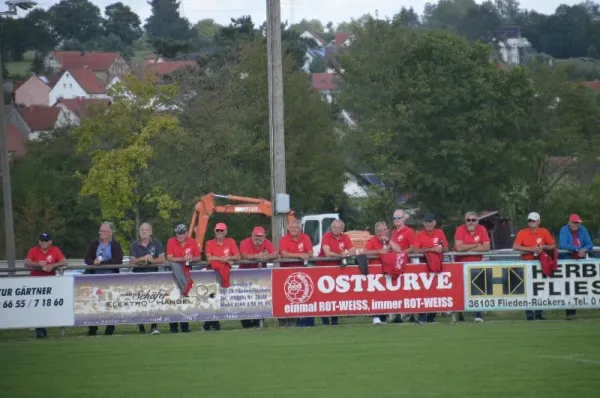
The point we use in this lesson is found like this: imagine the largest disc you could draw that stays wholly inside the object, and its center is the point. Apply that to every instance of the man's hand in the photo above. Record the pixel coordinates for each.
(305, 256)
(97, 261)
(538, 249)
(262, 256)
(438, 249)
(42, 264)
(581, 253)
(384, 251)
(148, 258)
(187, 257)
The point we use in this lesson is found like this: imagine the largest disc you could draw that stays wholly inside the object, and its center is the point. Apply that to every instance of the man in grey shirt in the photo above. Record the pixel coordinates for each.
(143, 252)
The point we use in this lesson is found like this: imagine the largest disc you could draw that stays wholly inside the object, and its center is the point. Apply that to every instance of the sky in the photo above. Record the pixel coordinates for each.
(295, 10)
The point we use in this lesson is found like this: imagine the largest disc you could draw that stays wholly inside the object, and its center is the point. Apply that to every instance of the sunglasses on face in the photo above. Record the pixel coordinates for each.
(398, 217)
(471, 220)
(531, 220)
(219, 230)
(44, 240)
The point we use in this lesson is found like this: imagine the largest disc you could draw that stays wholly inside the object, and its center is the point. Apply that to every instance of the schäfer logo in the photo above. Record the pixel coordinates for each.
(298, 287)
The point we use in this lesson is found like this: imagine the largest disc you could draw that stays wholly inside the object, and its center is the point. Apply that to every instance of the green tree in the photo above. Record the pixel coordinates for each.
(447, 14)
(76, 19)
(318, 65)
(124, 142)
(207, 30)
(435, 115)
(169, 48)
(166, 21)
(122, 22)
(408, 17)
(40, 35)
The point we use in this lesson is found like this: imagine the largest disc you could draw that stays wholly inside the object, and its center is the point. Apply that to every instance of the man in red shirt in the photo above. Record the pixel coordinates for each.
(402, 236)
(430, 239)
(531, 241)
(471, 237)
(257, 247)
(295, 244)
(220, 252)
(335, 243)
(181, 251)
(43, 260)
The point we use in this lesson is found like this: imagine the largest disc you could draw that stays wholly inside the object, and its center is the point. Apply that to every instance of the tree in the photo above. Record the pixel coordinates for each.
(122, 22)
(509, 11)
(318, 65)
(592, 52)
(447, 14)
(207, 29)
(354, 24)
(40, 34)
(166, 22)
(37, 64)
(313, 25)
(76, 19)
(481, 22)
(169, 48)
(434, 115)
(408, 17)
(124, 142)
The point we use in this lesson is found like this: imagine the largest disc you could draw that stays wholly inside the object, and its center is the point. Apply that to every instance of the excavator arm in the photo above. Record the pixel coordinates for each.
(206, 206)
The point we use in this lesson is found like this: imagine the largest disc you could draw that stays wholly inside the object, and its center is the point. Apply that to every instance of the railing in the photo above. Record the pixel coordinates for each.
(79, 264)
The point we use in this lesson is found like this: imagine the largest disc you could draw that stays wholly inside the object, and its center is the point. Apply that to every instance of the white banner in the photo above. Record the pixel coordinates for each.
(30, 302)
(576, 284)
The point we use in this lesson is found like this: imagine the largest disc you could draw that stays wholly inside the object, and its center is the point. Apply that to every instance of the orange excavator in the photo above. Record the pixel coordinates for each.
(206, 206)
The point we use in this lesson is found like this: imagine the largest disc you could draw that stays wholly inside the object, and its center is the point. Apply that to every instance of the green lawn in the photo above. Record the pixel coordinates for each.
(552, 358)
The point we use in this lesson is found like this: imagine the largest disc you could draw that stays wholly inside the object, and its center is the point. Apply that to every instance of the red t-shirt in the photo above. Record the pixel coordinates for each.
(336, 245)
(375, 244)
(480, 236)
(290, 245)
(431, 239)
(403, 237)
(52, 256)
(247, 247)
(176, 249)
(227, 248)
(527, 238)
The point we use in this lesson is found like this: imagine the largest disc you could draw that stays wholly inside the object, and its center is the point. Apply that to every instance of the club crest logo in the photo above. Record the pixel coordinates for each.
(298, 288)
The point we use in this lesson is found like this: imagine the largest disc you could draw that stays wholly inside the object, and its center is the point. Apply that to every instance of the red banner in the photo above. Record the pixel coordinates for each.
(327, 291)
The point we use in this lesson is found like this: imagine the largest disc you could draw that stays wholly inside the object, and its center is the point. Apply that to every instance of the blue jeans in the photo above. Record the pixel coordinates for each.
(533, 314)
(334, 320)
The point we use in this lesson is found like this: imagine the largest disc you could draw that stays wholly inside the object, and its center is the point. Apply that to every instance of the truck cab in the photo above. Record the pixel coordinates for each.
(315, 226)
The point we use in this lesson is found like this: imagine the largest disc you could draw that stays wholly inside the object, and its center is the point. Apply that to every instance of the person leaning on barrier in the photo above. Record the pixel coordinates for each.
(142, 252)
(471, 238)
(181, 251)
(531, 241)
(220, 252)
(43, 259)
(574, 238)
(335, 243)
(256, 247)
(297, 245)
(404, 237)
(104, 251)
(430, 239)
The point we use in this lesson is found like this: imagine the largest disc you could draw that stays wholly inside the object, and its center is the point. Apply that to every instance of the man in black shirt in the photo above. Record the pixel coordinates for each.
(142, 252)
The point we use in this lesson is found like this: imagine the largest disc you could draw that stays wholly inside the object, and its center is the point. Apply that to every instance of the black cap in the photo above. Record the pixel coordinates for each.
(429, 217)
(180, 229)
(44, 236)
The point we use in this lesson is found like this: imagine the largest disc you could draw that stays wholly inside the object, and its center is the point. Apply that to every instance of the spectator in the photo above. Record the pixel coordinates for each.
(142, 252)
(181, 251)
(532, 241)
(104, 251)
(575, 238)
(430, 239)
(256, 247)
(335, 243)
(402, 241)
(295, 244)
(471, 237)
(43, 259)
(221, 252)
(379, 244)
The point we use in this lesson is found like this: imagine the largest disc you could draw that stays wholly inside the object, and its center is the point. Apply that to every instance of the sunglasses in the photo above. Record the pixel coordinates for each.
(398, 217)
(471, 220)
(219, 230)
(44, 240)
(531, 220)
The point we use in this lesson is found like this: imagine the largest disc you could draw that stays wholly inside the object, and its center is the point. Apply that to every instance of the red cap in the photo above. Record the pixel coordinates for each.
(221, 225)
(258, 231)
(574, 218)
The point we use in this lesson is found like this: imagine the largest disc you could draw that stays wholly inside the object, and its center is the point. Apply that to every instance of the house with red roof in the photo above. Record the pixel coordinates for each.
(79, 108)
(342, 39)
(15, 142)
(35, 91)
(78, 83)
(167, 67)
(105, 65)
(43, 119)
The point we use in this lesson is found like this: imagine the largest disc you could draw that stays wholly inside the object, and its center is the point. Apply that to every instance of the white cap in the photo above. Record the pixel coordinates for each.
(533, 216)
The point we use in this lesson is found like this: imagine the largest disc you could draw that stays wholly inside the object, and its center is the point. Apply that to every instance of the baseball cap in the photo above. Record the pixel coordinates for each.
(45, 236)
(533, 216)
(180, 229)
(258, 231)
(429, 217)
(221, 225)
(574, 218)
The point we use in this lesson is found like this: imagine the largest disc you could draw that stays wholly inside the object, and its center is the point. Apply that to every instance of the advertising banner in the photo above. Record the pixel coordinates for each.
(576, 284)
(495, 285)
(36, 302)
(154, 298)
(330, 291)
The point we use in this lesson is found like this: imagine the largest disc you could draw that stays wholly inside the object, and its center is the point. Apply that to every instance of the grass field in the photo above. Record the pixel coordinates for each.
(499, 358)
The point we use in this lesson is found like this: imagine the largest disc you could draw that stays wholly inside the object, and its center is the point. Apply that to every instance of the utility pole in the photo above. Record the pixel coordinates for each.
(276, 124)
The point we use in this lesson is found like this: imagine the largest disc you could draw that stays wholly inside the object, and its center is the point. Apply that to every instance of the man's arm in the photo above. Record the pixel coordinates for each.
(90, 254)
(29, 263)
(518, 246)
(117, 254)
(586, 241)
(563, 238)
